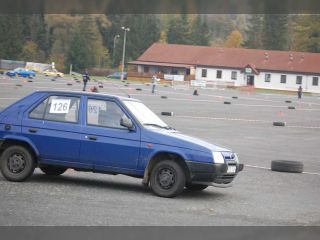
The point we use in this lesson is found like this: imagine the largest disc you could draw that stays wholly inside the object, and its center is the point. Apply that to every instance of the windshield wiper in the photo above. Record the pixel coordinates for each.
(159, 126)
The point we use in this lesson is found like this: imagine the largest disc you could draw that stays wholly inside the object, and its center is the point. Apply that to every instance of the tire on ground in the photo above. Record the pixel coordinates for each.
(167, 179)
(167, 113)
(279, 124)
(52, 170)
(287, 166)
(227, 102)
(196, 187)
(17, 163)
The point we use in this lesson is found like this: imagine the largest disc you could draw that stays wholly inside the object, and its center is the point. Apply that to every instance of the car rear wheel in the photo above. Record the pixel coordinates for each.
(52, 170)
(17, 163)
(167, 179)
(196, 187)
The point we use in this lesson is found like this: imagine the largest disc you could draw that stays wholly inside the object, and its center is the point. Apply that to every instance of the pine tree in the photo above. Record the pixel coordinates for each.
(78, 52)
(178, 30)
(276, 32)
(11, 37)
(254, 32)
(200, 33)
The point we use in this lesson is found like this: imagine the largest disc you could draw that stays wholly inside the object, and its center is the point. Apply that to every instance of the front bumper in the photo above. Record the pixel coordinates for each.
(213, 174)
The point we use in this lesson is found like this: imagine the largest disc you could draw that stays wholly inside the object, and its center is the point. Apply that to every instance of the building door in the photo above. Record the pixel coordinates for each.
(250, 80)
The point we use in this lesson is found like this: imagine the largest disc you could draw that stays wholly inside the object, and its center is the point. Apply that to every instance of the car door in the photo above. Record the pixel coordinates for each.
(54, 127)
(106, 143)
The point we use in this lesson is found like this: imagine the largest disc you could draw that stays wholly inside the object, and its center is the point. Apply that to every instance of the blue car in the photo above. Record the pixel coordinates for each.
(21, 72)
(57, 130)
(117, 75)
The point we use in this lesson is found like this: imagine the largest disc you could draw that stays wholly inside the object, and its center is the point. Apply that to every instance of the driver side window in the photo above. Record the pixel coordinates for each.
(104, 113)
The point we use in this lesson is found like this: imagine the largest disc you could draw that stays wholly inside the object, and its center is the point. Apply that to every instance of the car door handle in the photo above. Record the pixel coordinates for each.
(91, 138)
(33, 130)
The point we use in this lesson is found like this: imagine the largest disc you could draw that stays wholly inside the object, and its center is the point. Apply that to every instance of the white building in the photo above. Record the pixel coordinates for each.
(280, 70)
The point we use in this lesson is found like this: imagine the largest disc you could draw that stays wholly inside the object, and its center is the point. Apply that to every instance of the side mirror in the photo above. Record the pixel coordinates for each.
(126, 122)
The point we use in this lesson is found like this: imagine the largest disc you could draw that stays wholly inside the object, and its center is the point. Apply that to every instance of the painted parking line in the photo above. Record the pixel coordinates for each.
(245, 120)
(253, 166)
(265, 168)
(223, 118)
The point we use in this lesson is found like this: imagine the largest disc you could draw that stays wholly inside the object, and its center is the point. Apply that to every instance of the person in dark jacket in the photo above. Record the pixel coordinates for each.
(299, 92)
(85, 79)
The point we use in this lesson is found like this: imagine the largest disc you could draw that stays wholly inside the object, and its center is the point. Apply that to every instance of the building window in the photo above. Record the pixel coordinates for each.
(267, 77)
(283, 79)
(146, 69)
(219, 74)
(174, 71)
(204, 73)
(315, 81)
(299, 80)
(234, 75)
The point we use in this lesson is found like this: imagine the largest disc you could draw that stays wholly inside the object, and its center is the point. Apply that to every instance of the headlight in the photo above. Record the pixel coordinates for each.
(217, 157)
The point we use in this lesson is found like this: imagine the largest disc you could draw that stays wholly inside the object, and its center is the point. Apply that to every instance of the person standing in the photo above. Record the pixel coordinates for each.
(299, 92)
(154, 80)
(85, 79)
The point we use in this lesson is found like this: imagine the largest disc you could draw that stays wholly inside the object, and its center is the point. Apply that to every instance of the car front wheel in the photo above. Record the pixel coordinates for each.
(167, 179)
(17, 163)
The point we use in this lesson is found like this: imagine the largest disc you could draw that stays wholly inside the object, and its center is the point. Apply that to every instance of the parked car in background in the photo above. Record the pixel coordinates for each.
(117, 75)
(53, 72)
(57, 130)
(21, 72)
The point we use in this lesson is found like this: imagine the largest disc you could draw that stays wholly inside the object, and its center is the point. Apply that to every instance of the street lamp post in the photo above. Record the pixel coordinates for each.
(114, 45)
(124, 49)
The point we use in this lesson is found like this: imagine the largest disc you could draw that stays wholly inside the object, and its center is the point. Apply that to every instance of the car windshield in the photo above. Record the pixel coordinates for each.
(144, 115)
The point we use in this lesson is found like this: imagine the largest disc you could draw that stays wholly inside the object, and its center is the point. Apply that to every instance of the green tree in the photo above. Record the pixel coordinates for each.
(144, 31)
(11, 37)
(276, 32)
(200, 32)
(178, 30)
(78, 52)
(306, 33)
(254, 32)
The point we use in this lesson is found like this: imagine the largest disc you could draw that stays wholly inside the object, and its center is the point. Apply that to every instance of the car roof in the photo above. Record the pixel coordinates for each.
(121, 98)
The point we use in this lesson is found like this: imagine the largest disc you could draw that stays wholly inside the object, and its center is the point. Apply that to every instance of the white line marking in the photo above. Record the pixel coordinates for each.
(306, 127)
(311, 173)
(253, 166)
(230, 119)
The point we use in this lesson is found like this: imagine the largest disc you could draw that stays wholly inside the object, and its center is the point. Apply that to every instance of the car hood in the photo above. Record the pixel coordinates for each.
(177, 139)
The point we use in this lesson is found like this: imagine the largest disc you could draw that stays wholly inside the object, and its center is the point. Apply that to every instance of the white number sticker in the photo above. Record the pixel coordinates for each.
(60, 106)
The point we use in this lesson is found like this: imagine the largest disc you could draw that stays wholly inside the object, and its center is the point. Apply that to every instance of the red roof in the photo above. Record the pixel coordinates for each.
(282, 61)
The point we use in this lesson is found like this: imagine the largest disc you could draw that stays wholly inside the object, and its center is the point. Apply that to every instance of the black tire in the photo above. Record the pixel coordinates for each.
(172, 182)
(196, 187)
(167, 113)
(279, 124)
(226, 102)
(17, 163)
(287, 166)
(52, 170)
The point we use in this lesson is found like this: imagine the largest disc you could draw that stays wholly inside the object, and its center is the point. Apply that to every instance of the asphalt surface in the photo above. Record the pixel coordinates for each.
(259, 196)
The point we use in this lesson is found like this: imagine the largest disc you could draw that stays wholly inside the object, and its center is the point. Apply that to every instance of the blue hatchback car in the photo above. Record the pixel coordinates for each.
(21, 72)
(56, 130)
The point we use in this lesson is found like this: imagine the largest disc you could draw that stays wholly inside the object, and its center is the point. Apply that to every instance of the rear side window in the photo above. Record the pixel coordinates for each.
(58, 108)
